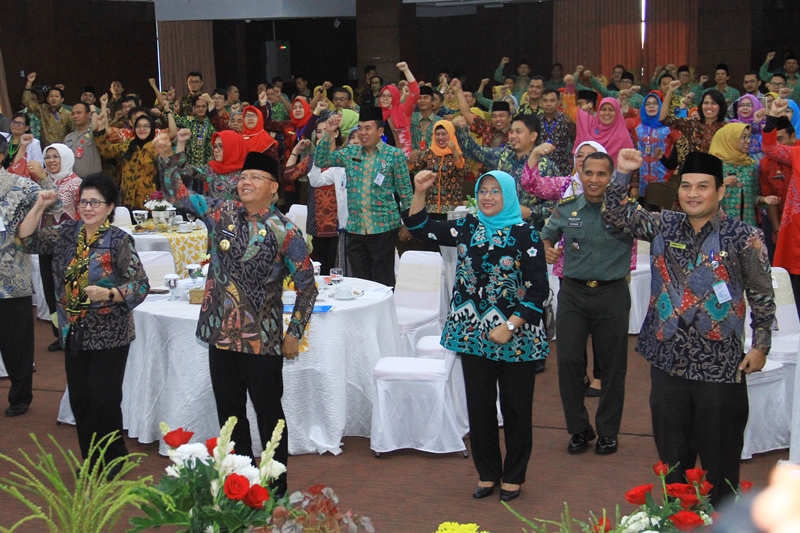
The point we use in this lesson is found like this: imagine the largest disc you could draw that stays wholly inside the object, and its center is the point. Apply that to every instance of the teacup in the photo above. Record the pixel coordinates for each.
(178, 219)
(344, 292)
(184, 227)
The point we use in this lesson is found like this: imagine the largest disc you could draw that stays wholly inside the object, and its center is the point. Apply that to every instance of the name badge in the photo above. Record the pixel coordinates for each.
(678, 245)
(722, 292)
(574, 224)
(2, 224)
(379, 179)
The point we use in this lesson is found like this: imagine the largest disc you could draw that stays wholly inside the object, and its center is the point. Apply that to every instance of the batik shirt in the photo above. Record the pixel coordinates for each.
(220, 186)
(560, 132)
(198, 147)
(251, 255)
(497, 275)
(489, 136)
(422, 130)
(689, 331)
(55, 124)
(696, 130)
(506, 160)
(372, 182)
(139, 176)
(113, 263)
(740, 201)
(446, 193)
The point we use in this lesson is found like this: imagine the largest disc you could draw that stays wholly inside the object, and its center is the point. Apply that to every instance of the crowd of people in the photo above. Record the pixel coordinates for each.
(569, 170)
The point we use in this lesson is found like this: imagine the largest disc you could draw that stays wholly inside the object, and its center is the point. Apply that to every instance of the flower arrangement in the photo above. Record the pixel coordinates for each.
(209, 488)
(455, 527)
(472, 205)
(157, 202)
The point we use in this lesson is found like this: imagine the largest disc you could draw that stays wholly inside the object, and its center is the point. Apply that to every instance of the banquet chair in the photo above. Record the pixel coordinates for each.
(768, 424)
(429, 347)
(157, 265)
(786, 337)
(299, 214)
(414, 406)
(122, 216)
(417, 298)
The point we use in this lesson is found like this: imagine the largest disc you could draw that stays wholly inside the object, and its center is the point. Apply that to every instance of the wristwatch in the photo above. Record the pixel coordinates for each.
(510, 325)
(111, 295)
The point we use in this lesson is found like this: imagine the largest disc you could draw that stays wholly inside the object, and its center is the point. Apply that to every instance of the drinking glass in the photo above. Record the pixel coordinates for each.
(170, 217)
(190, 217)
(337, 275)
(140, 216)
(171, 281)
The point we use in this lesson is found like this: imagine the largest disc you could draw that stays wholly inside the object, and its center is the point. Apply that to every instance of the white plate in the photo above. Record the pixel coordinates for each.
(179, 231)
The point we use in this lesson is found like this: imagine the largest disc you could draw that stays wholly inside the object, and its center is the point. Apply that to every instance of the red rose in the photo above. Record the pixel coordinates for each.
(256, 497)
(661, 468)
(177, 437)
(688, 501)
(316, 490)
(602, 526)
(695, 475)
(236, 486)
(676, 490)
(745, 486)
(686, 521)
(705, 488)
(211, 445)
(637, 495)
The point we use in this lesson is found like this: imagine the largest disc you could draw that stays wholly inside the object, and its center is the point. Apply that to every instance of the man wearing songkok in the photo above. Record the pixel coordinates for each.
(254, 248)
(422, 120)
(703, 264)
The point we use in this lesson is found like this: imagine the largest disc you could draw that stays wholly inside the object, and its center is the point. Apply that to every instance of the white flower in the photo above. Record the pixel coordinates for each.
(532, 252)
(214, 488)
(431, 236)
(637, 523)
(454, 232)
(252, 474)
(172, 471)
(271, 469)
(188, 454)
(233, 464)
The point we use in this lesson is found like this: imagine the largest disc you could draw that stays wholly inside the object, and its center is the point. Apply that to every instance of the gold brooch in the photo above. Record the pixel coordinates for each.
(262, 232)
(224, 245)
(231, 227)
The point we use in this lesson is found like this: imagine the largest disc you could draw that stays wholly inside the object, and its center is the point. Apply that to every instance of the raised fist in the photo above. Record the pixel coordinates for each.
(629, 160)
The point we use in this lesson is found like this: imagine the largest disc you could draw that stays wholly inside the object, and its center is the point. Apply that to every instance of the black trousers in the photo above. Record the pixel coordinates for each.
(795, 280)
(516, 380)
(95, 379)
(692, 418)
(16, 345)
(601, 312)
(48, 285)
(372, 256)
(595, 363)
(325, 249)
(233, 376)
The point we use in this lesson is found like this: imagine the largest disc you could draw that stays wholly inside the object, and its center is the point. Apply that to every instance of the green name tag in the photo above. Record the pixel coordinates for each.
(678, 245)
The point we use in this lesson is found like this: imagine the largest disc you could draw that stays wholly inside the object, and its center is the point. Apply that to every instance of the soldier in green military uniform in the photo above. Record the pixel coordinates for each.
(593, 300)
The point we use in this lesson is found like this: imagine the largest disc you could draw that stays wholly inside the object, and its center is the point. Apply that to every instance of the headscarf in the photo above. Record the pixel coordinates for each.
(511, 213)
(67, 160)
(725, 144)
(756, 107)
(349, 122)
(647, 120)
(137, 143)
(256, 139)
(614, 137)
(576, 176)
(795, 115)
(452, 103)
(399, 118)
(234, 151)
(451, 131)
(300, 123)
(513, 102)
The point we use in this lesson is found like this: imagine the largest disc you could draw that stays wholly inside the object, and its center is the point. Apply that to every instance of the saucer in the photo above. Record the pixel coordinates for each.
(179, 231)
(350, 297)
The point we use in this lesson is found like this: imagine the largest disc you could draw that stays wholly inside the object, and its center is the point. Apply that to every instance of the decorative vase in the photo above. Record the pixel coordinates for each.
(159, 216)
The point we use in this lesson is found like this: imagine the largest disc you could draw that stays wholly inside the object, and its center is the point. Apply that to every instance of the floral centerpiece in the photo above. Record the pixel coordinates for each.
(210, 489)
(157, 202)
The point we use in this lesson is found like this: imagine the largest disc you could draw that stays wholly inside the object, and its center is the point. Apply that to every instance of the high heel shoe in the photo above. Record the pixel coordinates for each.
(482, 492)
(508, 495)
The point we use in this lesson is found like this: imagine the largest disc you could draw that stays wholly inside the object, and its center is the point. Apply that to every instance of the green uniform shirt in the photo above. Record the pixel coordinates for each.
(593, 250)
(372, 182)
(422, 129)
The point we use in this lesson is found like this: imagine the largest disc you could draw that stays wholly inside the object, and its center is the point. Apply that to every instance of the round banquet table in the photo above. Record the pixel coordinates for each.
(186, 248)
(328, 388)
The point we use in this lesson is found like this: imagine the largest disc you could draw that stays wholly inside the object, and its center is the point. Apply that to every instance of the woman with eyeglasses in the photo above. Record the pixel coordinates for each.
(21, 125)
(139, 176)
(495, 320)
(99, 279)
(732, 145)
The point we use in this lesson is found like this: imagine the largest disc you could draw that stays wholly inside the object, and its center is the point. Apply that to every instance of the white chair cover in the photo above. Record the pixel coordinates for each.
(156, 266)
(794, 451)
(767, 426)
(640, 290)
(430, 348)
(300, 215)
(122, 217)
(414, 406)
(418, 298)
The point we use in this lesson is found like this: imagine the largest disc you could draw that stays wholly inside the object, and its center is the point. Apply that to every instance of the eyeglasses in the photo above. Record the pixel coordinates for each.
(341, 98)
(746, 104)
(385, 96)
(774, 84)
(49, 157)
(94, 202)
(489, 192)
(143, 126)
(651, 103)
(17, 123)
(216, 146)
(745, 138)
(254, 177)
(218, 98)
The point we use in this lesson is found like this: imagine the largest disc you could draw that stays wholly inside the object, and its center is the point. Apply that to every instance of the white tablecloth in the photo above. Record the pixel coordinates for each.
(328, 389)
(186, 248)
(640, 292)
(794, 448)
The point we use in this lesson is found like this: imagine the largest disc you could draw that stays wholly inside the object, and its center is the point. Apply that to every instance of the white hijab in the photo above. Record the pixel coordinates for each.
(577, 187)
(67, 160)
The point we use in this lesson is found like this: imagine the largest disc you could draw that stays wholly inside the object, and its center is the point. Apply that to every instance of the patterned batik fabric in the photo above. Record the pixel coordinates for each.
(446, 193)
(740, 201)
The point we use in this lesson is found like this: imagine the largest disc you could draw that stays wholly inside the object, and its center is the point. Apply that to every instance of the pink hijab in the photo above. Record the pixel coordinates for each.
(614, 137)
(399, 118)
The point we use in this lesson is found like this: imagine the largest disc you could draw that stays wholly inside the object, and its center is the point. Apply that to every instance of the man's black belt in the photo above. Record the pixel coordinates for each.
(592, 283)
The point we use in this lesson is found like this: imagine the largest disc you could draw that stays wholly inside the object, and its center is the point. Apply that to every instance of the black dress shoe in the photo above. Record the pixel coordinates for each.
(580, 442)
(508, 495)
(482, 492)
(606, 446)
(17, 409)
(591, 392)
(55, 346)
